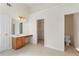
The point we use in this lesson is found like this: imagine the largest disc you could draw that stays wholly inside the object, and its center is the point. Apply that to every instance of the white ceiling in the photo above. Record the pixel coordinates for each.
(40, 6)
(36, 4)
(33, 7)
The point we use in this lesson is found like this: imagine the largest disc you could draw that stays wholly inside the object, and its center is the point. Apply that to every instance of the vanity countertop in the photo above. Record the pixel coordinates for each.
(21, 35)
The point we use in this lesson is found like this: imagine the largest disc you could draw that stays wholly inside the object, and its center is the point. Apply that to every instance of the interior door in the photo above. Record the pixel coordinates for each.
(5, 41)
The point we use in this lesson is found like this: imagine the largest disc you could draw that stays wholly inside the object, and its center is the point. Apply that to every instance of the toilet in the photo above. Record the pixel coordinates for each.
(67, 40)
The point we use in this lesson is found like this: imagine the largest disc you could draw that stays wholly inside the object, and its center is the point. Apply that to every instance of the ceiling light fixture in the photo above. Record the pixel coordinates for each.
(22, 19)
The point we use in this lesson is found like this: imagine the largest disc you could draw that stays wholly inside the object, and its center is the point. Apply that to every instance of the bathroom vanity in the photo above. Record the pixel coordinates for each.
(18, 41)
(20, 36)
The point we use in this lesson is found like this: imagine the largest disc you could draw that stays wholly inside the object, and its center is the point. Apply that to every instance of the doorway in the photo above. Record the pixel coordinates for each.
(69, 30)
(40, 32)
(69, 35)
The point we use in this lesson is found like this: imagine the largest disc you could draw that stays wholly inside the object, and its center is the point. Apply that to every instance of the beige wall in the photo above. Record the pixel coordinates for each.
(76, 30)
(69, 26)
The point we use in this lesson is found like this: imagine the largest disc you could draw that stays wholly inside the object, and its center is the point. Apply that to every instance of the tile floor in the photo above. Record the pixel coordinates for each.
(36, 50)
(71, 51)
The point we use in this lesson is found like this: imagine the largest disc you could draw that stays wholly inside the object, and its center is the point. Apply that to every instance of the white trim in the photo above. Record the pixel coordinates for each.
(54, 48)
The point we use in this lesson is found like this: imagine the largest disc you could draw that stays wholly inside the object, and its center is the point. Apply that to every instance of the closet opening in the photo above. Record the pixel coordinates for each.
(40, 32)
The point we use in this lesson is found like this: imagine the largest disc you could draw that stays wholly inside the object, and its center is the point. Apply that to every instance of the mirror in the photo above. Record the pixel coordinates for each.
(21, 28)
(17, 27)
(13, 28)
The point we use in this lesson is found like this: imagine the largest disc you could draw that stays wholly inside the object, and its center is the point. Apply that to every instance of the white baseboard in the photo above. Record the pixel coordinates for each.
(54, 48)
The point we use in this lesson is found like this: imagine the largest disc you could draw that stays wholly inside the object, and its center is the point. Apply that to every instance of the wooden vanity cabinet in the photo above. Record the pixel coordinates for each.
(24, 41)
(19, 42)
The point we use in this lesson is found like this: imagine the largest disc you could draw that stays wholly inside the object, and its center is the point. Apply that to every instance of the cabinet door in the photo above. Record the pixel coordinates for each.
(27, 40)
(23, 41)
(18, 43)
